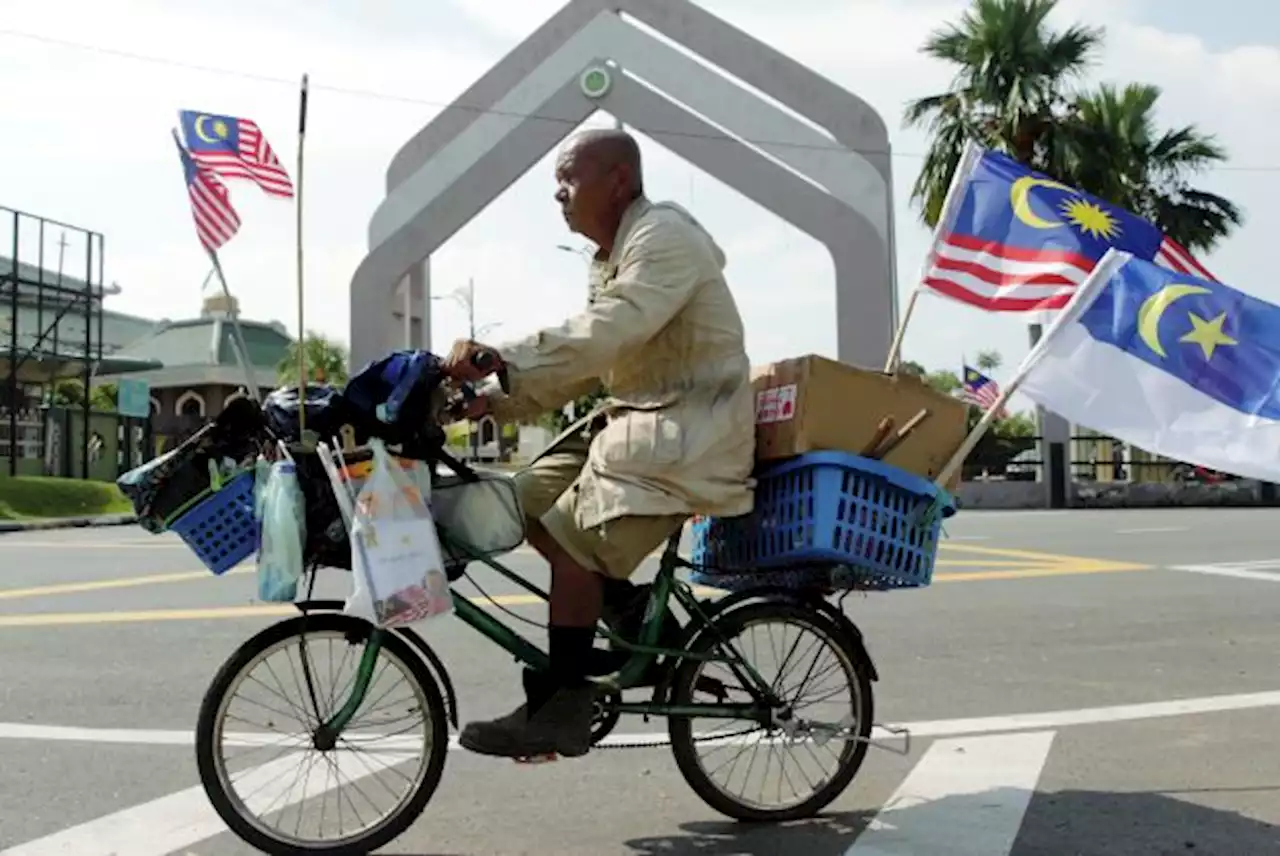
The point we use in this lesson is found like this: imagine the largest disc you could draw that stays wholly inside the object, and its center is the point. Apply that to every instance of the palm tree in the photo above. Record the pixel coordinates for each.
(1008, 93)
(1117, 153)
(1013, 93)
(989, 361)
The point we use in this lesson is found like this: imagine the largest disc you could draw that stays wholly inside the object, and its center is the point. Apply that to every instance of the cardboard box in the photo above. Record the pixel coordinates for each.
(811, 403)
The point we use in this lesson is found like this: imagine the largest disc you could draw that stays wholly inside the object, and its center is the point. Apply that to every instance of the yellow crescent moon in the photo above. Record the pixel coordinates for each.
(1022, 205)
(200, 131)
(1153, 309)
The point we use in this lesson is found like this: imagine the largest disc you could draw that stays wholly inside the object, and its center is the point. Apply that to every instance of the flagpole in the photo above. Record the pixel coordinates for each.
(302, 331)
(1083, 297)
(968, 159)
(242, 349)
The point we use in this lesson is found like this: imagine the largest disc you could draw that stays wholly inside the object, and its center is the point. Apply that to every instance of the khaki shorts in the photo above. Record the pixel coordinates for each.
(548, 494)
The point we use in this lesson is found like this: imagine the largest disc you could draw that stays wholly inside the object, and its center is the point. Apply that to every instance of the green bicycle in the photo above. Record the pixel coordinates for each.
(766, 652)
(673, 678)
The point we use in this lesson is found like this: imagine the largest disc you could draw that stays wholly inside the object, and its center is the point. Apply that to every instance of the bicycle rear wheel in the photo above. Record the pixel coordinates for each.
(381, 739)
(798, 638)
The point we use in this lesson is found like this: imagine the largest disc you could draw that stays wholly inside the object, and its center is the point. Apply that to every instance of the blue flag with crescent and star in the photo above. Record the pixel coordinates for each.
(1185, 367)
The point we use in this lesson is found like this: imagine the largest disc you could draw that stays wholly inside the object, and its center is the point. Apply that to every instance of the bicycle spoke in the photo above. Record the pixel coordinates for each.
(802, 663)
(323, 789)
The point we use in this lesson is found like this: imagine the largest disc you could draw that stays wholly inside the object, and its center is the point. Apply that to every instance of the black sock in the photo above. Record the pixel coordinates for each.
(571, 649)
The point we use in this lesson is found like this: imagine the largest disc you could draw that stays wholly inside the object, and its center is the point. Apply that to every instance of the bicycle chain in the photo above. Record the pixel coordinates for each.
(663, 742)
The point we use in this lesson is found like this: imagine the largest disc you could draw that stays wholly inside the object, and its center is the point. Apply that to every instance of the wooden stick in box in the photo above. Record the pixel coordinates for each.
(905, 431)
(882, 431)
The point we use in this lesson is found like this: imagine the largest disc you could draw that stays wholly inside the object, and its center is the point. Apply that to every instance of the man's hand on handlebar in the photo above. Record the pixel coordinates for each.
(473, 409)
(471, 361)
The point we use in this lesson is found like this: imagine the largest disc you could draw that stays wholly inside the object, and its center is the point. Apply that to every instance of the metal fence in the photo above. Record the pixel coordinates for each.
(1092, 459)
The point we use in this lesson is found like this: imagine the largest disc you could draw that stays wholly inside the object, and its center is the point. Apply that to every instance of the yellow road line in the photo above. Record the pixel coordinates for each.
(20, 544)
(1035, 573)
(117, 583)
(67, 619)
(192, 576)
(1033, 555)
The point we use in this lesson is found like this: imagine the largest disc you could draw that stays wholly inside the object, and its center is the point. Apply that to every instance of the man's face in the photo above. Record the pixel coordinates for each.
(585, 190)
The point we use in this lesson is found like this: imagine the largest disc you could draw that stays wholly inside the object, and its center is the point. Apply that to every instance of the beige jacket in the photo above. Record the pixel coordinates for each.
(664, 335)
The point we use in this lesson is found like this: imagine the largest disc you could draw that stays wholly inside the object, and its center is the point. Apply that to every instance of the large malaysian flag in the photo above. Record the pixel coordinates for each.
(235, 148)
(1014, 240)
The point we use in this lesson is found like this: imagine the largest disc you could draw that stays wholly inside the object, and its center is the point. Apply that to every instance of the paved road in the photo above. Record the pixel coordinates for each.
(1100, 621)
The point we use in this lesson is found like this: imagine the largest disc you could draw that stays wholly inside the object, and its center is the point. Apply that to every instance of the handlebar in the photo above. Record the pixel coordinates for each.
(489, 363)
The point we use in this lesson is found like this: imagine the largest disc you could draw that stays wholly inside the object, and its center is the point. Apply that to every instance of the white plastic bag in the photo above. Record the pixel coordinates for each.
(396, 565)
(279, 508)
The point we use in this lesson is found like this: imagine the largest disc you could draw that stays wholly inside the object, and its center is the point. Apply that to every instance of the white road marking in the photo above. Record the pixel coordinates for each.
(1095, 715)
(1149, 529)
(966, 797)
(1238, 570)
(936, 728)
(182, 819)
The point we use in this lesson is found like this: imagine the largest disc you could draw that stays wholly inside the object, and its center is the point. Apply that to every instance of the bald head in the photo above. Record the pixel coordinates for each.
(598, 176)
(610, 149)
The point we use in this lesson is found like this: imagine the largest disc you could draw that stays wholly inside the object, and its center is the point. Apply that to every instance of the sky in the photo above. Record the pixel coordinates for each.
(89, 90)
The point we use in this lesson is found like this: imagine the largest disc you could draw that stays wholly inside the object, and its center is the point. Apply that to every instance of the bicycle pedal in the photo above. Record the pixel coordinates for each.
(538, 759)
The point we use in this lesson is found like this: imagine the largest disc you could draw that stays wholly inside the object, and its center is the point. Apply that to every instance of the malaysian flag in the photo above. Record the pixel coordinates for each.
(980, 390)
(1014, 240)
(235, 148)
(216, 220)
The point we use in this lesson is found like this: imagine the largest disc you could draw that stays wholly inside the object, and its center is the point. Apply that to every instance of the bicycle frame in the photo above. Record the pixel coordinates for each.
(643, 653)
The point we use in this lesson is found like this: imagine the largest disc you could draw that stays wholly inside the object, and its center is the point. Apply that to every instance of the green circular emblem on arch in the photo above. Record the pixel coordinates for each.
(595, 82)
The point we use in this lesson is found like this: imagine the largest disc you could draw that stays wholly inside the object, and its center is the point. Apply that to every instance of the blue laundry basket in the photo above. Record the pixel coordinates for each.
(221, 528)
(821, 510)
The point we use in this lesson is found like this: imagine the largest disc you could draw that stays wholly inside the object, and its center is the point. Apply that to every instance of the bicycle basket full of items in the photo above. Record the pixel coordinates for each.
(354, 478)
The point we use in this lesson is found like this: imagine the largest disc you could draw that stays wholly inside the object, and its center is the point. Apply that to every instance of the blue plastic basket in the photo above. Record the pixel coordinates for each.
(879, 524)
(221, 529)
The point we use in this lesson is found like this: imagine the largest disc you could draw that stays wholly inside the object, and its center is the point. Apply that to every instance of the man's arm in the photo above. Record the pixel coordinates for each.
(656, 277)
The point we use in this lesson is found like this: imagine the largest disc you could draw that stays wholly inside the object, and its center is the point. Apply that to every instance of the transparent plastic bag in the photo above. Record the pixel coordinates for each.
(280, 509)
(396, 564)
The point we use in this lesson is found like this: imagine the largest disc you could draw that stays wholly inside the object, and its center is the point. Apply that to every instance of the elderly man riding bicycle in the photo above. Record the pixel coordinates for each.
(676, 437)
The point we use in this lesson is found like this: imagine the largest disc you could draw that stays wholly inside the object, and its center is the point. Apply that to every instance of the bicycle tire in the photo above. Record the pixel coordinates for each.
(680, 729)
(355, 629)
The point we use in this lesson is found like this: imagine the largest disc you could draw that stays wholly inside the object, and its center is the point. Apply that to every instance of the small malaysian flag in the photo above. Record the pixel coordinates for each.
(235, 148)
(980, 391)
(215, 218)
(1014, 240)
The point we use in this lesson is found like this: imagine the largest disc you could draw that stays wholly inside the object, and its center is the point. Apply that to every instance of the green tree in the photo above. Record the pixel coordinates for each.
(907, 367)
(989, 361)
(70, 393)
(1016, 426)
(943, 381)
(1117, 152)
(326, 361)
(946, 382)
(1016, 91)
(1009, 90)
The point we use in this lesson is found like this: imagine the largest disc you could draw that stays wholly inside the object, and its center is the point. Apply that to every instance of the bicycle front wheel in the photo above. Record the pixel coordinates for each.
(283, 794)
(816, 738)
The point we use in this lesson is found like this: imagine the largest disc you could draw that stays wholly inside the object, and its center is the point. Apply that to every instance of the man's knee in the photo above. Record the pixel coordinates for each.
(615, 549)
(540, 540)
(540, 485)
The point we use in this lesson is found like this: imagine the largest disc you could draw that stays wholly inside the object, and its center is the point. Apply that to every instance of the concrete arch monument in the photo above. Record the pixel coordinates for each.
(836, 186)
